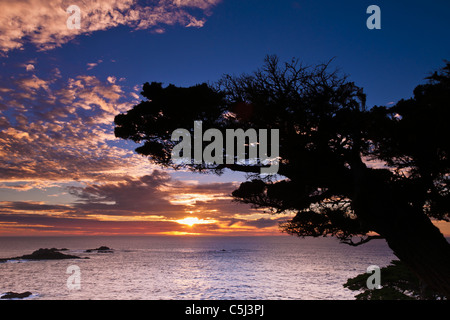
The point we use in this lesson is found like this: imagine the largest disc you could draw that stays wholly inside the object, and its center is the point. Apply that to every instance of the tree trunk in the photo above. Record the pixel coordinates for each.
(423, 248)
(407, 230)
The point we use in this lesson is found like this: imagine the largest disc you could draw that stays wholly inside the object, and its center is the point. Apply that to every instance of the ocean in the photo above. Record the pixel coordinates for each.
(191, 268)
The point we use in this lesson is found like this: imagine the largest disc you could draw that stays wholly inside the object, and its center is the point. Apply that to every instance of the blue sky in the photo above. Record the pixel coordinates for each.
(66, 87)
(237, 35)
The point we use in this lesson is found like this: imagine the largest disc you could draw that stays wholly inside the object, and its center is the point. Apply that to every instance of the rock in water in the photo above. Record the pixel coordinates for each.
(43, 254)
(16, 295)
(101, 249)
(48, 254)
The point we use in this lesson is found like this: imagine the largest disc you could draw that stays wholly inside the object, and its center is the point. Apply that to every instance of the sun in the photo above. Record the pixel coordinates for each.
(190, 221)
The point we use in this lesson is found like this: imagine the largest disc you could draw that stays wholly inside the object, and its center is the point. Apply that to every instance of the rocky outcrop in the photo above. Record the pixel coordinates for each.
(102, 249)
(15, 295)
(44, 254)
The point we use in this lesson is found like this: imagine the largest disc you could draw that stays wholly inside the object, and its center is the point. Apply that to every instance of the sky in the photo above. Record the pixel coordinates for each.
(62, 171)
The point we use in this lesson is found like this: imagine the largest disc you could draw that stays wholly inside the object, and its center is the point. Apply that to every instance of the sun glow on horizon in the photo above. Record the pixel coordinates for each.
(190, 221)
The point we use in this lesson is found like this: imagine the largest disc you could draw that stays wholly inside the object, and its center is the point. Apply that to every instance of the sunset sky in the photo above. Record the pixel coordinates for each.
(62, 171)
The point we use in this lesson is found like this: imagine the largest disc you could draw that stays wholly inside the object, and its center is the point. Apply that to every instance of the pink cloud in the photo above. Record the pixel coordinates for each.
(43, 22)
(137, 205)
(61, 129)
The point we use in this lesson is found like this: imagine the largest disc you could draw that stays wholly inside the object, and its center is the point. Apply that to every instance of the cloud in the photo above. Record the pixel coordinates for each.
(158, 194)
(39, 224)
(91, 65)
(31, 206)
(111, 79)
(55, 129)
(263, 222)
(32, 84)
(140, 205)
(134, 95)
(131, 197)
(196, 23)
(43, 22)
(29, 67)
(62, 132)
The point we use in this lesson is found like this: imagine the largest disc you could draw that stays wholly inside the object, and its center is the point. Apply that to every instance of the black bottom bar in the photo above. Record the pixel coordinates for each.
(223, 309)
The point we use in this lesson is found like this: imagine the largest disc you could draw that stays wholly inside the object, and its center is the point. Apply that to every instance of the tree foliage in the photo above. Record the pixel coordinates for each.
(399, 283)
(325, 132)
(328, 137)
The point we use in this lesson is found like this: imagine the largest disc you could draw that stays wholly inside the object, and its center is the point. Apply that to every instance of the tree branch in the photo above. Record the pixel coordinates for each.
(350, 242)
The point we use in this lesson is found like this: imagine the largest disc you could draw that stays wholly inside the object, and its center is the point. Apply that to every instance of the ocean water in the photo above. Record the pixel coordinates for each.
(216, 268)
